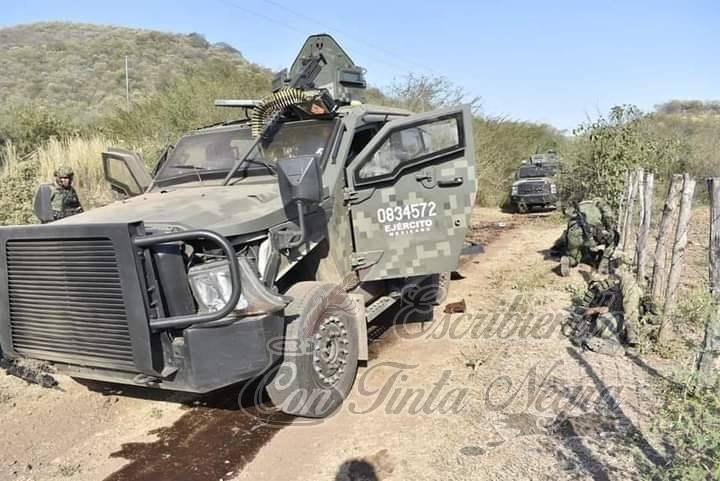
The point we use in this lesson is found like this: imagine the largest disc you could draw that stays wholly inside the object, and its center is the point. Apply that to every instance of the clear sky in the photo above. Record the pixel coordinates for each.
(558, 62)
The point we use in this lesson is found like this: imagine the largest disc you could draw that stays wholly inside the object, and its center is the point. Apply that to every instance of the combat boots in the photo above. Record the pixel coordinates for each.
(564, 266)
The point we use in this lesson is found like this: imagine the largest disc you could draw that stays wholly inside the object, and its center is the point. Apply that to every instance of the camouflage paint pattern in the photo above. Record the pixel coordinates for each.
(65, 202)
(340, 232)
(253, 206)
(427, 243)
(249, 206)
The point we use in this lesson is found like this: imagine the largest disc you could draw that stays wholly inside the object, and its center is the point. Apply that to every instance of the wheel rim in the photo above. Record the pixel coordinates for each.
(330, 350)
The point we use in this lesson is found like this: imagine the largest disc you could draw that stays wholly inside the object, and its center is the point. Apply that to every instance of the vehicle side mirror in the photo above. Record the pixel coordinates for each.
(300, 182)
(42, 206)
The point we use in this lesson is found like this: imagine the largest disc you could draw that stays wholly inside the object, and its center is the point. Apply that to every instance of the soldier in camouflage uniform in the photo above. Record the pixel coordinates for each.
(64, 200)
(591, 229)
(612, 310)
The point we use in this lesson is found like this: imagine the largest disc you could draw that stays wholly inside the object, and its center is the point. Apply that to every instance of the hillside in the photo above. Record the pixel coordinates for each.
(697, 123)
(78, 70)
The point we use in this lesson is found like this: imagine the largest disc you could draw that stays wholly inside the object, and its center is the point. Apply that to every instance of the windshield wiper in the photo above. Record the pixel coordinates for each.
(271, 168)
(196, 168)
(187, 166)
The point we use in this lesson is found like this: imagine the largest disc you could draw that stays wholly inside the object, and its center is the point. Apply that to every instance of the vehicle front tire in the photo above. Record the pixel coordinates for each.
(320, 354)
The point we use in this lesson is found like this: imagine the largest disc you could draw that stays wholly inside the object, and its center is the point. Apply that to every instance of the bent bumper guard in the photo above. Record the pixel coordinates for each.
(208, 358)
(138, 344)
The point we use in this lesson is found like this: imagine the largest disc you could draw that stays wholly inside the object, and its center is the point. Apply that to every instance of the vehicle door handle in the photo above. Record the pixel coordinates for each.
(450, 182)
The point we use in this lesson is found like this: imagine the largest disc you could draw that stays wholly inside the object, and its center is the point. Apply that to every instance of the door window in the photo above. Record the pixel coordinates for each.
(119, 172)
(360, 140)
(125, 172)
(411, 145)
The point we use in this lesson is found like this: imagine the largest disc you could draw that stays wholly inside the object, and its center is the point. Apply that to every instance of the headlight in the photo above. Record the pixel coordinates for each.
(514, 190)
(553, 189)
(211, 286)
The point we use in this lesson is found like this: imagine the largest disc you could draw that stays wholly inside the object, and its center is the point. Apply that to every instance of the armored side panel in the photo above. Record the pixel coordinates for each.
(412, 193)
(42, 203)
(337, 266)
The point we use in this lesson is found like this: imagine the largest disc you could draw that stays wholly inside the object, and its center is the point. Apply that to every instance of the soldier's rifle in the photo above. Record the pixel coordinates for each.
(583, 223)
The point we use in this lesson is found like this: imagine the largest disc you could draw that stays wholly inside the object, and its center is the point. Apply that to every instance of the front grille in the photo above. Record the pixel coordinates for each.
(533, 188)
(66, 302)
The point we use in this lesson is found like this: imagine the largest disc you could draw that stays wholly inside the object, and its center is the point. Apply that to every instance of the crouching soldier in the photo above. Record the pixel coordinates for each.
(591, 234)
(612, 309)
(64, 200)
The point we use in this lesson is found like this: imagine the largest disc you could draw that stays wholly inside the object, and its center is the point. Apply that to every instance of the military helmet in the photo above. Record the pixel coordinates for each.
(64, 171)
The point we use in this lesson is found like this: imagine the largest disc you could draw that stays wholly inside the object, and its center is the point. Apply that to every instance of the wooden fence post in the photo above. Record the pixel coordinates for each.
(644, 229)
(641, 211)
(629, 210)
(623, 205)
(659, 281)
(679, 251)
(709, 361)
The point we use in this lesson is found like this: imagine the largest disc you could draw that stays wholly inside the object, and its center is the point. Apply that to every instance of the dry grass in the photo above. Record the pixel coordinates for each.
(82, 154)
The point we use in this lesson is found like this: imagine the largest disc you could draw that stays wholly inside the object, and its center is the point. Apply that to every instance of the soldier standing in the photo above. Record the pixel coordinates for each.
(591, 229)
(64, 200)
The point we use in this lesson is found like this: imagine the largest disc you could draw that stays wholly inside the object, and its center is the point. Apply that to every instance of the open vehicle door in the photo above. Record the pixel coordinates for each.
(411, 191)
(125, 171)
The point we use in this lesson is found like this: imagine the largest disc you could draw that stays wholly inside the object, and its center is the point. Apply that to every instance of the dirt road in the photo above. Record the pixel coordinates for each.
(495, 393)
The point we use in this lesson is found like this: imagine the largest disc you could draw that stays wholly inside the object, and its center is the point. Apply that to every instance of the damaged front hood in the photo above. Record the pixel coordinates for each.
(228, 210)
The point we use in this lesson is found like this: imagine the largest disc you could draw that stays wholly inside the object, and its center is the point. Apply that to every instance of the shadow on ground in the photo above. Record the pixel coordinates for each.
(604, 431)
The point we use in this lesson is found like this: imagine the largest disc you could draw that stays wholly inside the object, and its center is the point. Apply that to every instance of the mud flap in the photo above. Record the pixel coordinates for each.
(359, 303)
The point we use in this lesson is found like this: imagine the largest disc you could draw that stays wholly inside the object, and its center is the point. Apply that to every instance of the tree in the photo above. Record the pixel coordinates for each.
(420, 93)
(610, 146)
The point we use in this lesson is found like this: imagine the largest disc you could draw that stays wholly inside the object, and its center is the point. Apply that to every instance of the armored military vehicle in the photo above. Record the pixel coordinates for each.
(534, 184)
(260, 248)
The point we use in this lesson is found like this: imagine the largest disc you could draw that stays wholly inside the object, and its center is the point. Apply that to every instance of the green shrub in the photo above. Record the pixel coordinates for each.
(16, 193)
(30, 126)
(605, 149)
(690, 424)
(694, 308)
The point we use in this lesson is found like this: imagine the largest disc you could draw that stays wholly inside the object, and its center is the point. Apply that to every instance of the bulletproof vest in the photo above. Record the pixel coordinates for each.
(65, 202)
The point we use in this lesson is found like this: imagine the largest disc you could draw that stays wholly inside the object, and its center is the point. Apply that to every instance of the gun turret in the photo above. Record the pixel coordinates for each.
(323, 65)
(321, 78)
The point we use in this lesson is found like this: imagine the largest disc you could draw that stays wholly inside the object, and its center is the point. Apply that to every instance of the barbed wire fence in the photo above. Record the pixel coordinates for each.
(708, 363)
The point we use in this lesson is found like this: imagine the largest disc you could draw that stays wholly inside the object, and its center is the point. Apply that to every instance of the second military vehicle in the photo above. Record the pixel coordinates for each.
(534, 184)
(257, 249)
